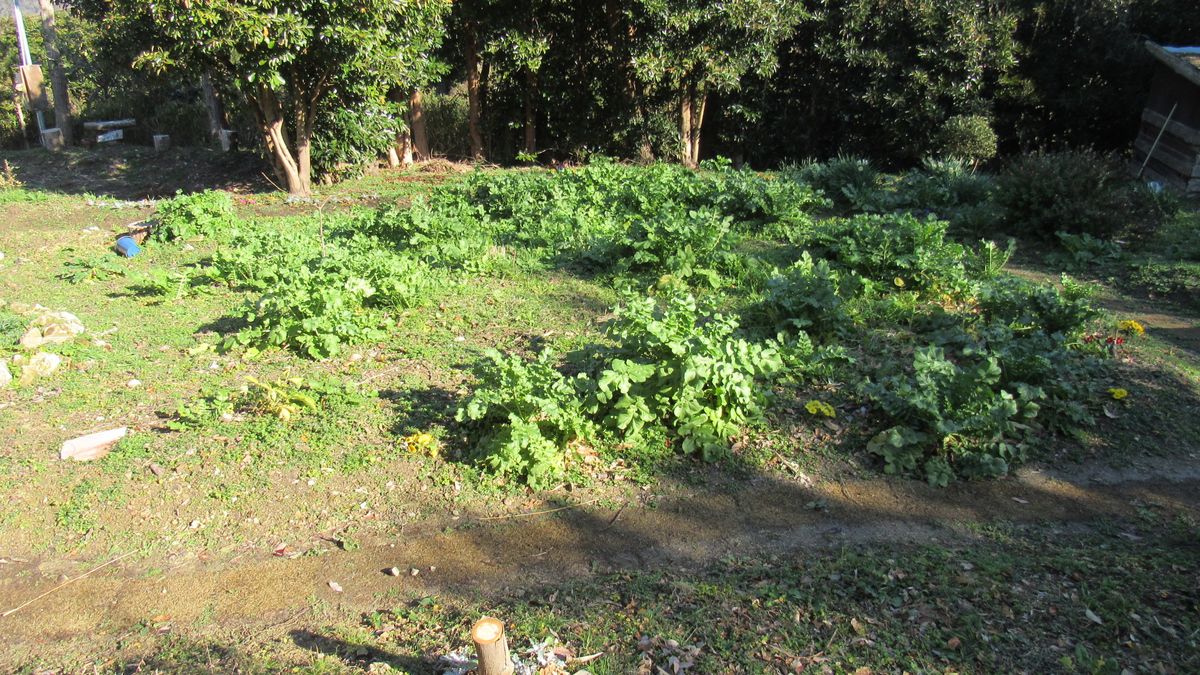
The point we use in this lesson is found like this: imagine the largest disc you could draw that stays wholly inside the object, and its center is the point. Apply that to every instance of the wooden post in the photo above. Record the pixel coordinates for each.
(58, 77)
(492, 646)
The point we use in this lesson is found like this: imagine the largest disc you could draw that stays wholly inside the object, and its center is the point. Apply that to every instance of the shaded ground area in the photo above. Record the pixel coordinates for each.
(483, 557)
(134, 172)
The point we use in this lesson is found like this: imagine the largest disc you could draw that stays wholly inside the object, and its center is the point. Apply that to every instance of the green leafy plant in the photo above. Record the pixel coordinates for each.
(683, 367)
(810, 295)
(525, 416)
(952, 418)
(203, 214)
(1076, 191)
(88, 270)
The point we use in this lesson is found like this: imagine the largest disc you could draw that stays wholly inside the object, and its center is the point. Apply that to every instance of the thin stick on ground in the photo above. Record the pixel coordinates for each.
(542, 513)
(25, 604)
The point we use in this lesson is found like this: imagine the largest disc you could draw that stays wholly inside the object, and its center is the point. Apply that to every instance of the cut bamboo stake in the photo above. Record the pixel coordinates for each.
(1163, 130)
(492, 646)
(29, 602)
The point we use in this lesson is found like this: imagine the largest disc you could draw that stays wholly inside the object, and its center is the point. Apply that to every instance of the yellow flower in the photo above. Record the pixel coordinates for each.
(1131, 327)
(820, 408)
(1117, 393)
(421, 443)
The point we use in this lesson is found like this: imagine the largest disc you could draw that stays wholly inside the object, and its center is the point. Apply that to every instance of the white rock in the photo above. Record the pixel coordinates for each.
(5, 375)
(51, 328)
(133, 384)
(37, 366)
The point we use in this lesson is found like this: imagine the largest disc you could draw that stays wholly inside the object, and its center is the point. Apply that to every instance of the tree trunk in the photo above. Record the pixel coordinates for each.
(58, 77)
(699, 105)
(416, 122)
(216, 111)
(530, 112)
(305, 121)
(685, 124)
(405, 146)
(473, 94)
(692, 103)
(269, 112)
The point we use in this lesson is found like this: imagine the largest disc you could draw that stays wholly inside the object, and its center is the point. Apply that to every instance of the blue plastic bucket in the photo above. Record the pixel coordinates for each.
(127, 247)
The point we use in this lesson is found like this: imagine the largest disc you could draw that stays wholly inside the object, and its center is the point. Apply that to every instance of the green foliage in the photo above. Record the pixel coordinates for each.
(895, 250)
(1075, 191)
(810, 295)
(446, 118)
(88, 270)
(1027, 306)
(353, 137)
(203, 214)
(967, 137)
(1083, 251)
(682, 366)
(283, 399)
(324, 284)
(841, 179)
(524, 417)
(1178, 281)
(290, 60)
(673, 368)
(952, 418)
(971, 405)
(167, 284)
(685, 244)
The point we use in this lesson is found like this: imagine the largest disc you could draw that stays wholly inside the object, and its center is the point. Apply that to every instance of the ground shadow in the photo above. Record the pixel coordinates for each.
(358, 655)
(129, 172)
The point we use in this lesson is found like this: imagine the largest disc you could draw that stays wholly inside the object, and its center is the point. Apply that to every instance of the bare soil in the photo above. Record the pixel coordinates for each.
(473, 556)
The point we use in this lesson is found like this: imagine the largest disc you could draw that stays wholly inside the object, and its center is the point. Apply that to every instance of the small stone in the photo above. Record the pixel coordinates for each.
(395, 571)
(194, 524)
(157, 470)
(337, 588)
(414, 571)
(134, 383)
(5, 375)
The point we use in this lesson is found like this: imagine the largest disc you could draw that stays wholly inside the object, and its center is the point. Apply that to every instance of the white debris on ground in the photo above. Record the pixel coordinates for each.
(92, 446)
(122, 204)
(544, 658)
(51, 328)
(5, 374)
(455, 663)
(35, 367)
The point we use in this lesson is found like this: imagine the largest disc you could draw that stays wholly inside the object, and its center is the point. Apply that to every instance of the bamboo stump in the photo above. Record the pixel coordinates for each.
(492, 646)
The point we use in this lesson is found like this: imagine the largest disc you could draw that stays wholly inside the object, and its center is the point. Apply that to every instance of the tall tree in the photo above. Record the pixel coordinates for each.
(696, 47)
(287, 57)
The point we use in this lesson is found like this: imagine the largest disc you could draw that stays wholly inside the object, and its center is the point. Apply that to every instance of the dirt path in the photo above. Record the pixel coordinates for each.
(694, 528)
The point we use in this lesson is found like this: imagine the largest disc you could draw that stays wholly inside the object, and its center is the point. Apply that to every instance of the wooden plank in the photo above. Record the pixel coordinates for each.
(1183, 68)
(1183, 164)
(107, 125)
(1177, 129)
(35, 87)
